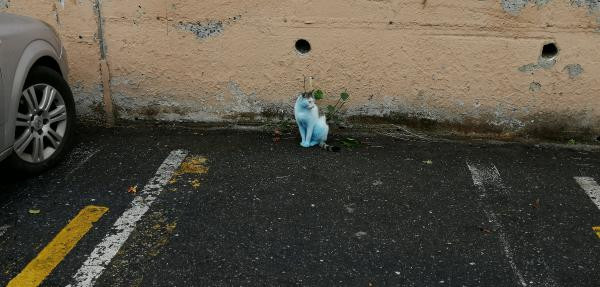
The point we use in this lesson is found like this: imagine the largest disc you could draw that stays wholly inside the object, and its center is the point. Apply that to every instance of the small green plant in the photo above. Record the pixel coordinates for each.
(350, 142)
(332, 112)
(571, 142)
(318, 94)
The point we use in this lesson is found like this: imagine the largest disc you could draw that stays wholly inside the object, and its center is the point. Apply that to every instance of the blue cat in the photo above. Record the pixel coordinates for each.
(313, 128)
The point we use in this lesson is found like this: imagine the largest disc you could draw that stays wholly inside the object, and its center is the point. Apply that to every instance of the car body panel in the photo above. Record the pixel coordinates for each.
(23, 40)
(4, 141)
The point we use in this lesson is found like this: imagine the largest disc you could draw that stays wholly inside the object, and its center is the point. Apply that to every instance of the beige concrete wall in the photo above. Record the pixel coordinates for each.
(469, 64)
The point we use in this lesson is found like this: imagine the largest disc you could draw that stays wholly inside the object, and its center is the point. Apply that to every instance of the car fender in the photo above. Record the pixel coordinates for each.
(34, 51)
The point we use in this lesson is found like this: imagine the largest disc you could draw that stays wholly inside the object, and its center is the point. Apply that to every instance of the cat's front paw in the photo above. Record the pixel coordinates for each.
(305, 144)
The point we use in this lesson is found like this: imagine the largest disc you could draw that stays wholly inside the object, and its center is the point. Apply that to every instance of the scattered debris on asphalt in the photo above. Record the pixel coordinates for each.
(3, 229)
(193, 165)
(195, 183)
(132, 189)
(34, 211)
(485, 230)
(428, 161)
(536, 203)
(350, 208)
(276, 136)
(597, 230)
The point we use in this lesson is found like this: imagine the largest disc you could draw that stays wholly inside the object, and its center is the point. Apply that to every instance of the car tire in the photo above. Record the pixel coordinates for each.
(38, 78)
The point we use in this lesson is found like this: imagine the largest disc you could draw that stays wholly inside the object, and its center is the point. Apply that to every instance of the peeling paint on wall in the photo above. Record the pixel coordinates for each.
(541, 2)
(203, 30)
(529, 68)
(593, 5)
(574, 70)
(208, 28)
(541, 64)
(87, 100)
(514, 7)
(535, 87)
(593, 8)
(242, 102)
(139, 14)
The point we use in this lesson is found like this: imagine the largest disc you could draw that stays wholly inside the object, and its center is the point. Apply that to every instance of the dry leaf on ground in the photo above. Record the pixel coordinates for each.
(132, 189)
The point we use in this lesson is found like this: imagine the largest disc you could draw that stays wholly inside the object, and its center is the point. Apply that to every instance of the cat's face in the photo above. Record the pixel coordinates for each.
(308, 102)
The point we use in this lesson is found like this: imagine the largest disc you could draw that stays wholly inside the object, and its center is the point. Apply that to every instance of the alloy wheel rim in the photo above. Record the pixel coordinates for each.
(41, 123)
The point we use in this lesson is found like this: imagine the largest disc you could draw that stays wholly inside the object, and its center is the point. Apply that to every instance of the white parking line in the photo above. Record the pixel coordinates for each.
(591, 188)
(490, 175)
(101, 256)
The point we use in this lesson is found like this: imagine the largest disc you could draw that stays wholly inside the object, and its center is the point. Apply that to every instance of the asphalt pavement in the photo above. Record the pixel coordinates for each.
(224, 207)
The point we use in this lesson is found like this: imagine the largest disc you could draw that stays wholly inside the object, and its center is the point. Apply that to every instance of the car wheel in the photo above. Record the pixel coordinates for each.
(44, 124)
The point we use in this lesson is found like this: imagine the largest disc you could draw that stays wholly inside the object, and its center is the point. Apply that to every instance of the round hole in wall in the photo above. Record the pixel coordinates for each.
(302, 46)
(549, 51)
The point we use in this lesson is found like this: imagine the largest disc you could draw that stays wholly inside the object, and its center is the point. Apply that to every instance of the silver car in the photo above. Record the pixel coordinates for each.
(37, 112)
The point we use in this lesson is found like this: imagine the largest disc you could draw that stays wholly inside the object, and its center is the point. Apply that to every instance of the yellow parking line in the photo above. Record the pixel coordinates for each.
(40, 267)
(597, 230)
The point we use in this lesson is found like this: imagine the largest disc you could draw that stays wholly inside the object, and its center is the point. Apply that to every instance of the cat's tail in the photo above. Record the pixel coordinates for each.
(329, 147)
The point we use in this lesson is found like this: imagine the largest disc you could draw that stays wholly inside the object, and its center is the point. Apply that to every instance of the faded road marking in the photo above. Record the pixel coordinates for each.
(486, 174)
(597, 230)
(82, 156)
(590, 187)
(40, 267)
(489, 175)
(101, 256)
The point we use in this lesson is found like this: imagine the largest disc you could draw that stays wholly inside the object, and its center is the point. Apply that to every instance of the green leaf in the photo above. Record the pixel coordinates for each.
(350, 142)
(318, 95)
(330, 109)
(344, 96)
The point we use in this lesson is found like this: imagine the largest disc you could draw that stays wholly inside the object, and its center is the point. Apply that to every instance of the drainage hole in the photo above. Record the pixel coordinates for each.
(549, 51)
(302, 46)
(598, 138)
